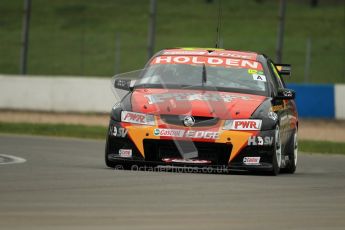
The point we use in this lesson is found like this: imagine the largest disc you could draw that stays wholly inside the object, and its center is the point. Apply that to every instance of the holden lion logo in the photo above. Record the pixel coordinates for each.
(188, 121)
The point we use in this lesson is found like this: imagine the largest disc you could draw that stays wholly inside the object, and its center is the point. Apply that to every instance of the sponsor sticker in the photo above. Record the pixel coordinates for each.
(251, 160)
(235, 54)
(156, 132)
(132, 117)
(184, 52)
(119, 132)
(137, 118)
(259, 77)
(249, 124)
(272, 115)
(202, 134)
(222, 53)
(114, 131)
(254, 71)
(258, 140)
(125, 152)
(216, 61)
(169, 132)
(186, 134)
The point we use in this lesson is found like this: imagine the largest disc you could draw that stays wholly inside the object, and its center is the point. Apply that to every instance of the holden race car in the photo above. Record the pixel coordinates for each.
(205, 107)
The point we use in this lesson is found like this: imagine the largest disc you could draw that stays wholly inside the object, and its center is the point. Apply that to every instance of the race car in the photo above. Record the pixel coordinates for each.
(197, 107)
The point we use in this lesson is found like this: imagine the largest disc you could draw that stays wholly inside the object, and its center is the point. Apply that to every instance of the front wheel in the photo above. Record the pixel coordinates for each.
(293, 155)
(277, 153)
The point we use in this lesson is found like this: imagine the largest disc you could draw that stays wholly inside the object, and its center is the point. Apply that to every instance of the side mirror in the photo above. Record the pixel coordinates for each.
(285, 94)
(283, 69)
(124, 84)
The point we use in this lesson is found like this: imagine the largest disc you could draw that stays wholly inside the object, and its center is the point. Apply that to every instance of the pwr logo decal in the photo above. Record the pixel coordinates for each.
(245, 125)
(133, 117)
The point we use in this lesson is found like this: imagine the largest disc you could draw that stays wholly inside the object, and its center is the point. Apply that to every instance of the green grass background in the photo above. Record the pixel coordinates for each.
(77, 37)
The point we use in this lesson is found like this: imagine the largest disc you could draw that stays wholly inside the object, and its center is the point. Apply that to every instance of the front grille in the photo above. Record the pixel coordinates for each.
(217, 153)
(199, 121)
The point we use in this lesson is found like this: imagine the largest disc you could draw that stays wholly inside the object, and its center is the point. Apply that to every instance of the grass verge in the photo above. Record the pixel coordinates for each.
(99, 132)
(312, 146)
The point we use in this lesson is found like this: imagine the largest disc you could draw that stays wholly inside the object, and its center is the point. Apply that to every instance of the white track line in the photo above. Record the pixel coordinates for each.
(13, 159)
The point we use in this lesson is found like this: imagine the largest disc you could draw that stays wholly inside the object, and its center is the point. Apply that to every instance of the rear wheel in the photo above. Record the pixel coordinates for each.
(277, 153)
(293, 155)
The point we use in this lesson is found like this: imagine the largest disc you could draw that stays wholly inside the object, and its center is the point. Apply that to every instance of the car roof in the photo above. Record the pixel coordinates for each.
(213, 52)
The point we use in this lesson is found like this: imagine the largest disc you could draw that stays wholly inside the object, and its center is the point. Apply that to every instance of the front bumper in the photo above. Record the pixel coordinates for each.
(229, 150)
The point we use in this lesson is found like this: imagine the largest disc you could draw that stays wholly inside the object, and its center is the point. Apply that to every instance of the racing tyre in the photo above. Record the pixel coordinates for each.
(277, 153)
(293, 155)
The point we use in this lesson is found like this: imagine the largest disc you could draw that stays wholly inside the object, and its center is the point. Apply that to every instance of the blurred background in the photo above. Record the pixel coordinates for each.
(101, 38)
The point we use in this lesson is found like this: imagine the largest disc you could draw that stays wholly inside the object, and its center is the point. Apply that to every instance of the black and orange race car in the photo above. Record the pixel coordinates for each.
(205, 107)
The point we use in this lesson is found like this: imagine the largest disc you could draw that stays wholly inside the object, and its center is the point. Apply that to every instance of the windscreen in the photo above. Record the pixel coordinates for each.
(223, 74)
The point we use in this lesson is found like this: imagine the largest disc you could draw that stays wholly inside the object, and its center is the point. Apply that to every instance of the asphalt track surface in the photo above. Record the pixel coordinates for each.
(65, 185)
